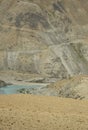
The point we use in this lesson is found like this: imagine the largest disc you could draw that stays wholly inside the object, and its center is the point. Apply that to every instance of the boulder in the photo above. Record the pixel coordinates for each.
(2, 83)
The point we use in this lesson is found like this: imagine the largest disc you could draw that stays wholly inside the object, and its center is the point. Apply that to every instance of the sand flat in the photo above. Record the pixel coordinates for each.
(29, 112)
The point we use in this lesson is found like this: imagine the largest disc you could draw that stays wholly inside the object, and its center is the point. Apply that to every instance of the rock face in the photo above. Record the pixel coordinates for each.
(48, 38)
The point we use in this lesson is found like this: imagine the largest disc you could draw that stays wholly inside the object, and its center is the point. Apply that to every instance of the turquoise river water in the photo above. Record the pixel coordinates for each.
(13, 89)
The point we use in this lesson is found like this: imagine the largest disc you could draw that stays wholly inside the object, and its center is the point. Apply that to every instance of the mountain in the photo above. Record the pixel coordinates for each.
(48, 38)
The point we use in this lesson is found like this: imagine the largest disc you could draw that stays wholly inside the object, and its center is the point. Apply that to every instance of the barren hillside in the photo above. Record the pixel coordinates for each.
(48, 38)
(25, 112)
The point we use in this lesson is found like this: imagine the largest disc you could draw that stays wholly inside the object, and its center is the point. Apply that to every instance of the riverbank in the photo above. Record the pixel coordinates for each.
(15, 78)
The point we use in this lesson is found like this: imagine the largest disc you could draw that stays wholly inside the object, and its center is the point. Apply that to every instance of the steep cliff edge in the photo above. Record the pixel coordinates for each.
(48, 38)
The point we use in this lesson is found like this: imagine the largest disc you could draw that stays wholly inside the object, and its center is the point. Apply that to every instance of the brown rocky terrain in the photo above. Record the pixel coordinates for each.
(25, 112)
(44, 41)
(75, 87)
(48, 38)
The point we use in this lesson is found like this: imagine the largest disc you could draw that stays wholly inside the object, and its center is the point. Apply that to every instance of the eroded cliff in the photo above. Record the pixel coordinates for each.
(49, 38)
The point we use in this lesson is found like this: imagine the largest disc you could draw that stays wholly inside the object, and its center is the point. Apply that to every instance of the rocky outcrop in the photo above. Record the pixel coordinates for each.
(75, 87)
(47, 38)
(2, 84)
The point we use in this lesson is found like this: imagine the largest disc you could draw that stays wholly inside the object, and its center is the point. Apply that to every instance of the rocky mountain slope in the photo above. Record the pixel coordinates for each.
(75, 87)
(48, 38)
